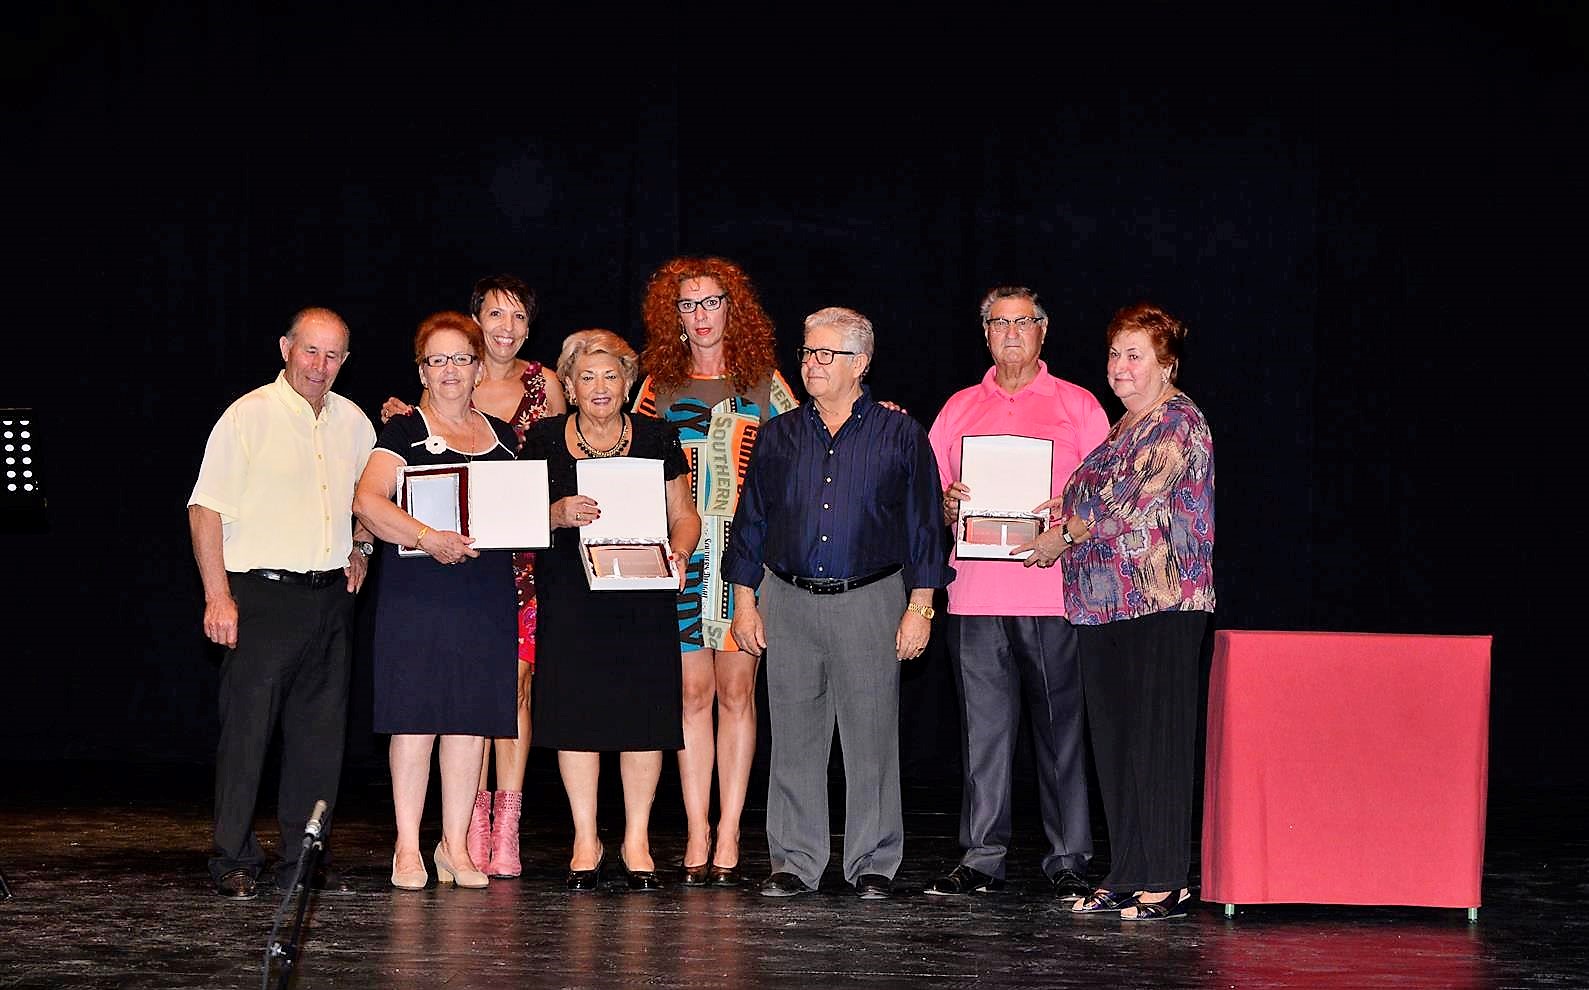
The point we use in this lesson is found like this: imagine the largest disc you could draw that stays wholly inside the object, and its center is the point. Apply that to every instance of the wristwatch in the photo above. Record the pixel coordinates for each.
(1064, 534)
(925, 611)
(365, 547)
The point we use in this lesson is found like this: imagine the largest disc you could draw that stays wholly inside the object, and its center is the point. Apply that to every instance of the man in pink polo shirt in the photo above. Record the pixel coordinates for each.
(1008, 637)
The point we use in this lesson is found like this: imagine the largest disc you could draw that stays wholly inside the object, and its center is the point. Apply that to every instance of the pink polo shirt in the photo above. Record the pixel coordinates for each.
(1048, 408)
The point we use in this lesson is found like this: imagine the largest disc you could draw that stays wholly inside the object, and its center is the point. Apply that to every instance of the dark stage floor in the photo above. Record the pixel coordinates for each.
(106, 865)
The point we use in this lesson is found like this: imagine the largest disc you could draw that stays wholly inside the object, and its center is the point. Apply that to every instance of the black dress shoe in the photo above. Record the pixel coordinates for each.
(586, 880)
(873, 887)
(1069, 886)
(639, 879)
(965, 880)
(723, 876)
(783, 884)
(327, 880)
(238, 885)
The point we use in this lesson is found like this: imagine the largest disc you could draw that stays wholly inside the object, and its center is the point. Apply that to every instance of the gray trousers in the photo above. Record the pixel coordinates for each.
(831, 660)
(1002, 664)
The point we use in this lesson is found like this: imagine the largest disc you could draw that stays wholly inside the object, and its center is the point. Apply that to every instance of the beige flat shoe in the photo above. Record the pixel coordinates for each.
(463, 878)
(409, 879)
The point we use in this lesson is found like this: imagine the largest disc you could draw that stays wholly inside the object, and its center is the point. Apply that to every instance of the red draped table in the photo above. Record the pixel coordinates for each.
(1346, 768)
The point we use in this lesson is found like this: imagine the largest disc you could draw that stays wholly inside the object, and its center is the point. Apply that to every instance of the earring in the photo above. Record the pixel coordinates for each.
(684, 338)
(1165, 378)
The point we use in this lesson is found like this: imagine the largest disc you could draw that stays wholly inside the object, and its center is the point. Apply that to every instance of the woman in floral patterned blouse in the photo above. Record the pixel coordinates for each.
(1134, 534)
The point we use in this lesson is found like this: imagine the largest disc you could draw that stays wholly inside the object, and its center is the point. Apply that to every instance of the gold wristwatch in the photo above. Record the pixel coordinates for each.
(925, 611)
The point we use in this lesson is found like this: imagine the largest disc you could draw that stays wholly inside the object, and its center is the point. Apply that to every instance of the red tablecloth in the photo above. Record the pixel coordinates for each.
(1346, 768)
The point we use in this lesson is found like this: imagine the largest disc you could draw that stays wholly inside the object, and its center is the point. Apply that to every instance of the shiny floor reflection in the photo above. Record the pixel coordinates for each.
(107, 868)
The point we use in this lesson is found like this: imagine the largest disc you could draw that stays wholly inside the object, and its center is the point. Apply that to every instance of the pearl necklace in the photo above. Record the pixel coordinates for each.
(584, 445)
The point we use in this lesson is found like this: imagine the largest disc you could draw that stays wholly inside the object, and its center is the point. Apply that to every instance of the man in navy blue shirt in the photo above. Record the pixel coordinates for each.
(840, 506)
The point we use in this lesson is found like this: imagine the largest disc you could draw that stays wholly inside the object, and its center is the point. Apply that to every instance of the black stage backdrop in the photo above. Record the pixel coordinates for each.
(1362, 217)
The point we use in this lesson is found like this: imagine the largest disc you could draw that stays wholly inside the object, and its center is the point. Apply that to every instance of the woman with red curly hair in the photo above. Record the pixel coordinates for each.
(711, 370)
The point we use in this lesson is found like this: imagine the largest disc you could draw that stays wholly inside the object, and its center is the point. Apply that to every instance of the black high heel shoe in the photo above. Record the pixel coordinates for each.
(587, 880)
(639, 879)
(723, 876)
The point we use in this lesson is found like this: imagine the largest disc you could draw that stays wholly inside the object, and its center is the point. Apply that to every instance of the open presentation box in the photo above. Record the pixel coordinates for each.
(627, 548)
(502, 504)
(1007, 475)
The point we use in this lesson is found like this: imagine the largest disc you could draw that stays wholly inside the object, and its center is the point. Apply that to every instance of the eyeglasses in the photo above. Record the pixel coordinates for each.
(708, 303)
(462, 360)
(1024, 324)
(824, 355)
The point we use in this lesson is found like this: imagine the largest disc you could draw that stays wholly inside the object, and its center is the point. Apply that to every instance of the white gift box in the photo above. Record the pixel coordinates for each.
(1007, 475)
(502, 504)
(633, 527)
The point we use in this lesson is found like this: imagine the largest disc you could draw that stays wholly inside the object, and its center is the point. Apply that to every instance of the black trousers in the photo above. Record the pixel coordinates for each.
(1004, 664)
(290, 668)
(1140, 681)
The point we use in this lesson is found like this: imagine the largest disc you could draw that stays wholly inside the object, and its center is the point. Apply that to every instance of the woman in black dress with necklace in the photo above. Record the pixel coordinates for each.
(607, 672)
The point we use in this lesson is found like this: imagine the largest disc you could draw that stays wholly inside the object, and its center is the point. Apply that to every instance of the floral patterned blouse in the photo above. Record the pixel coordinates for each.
(1148, 495)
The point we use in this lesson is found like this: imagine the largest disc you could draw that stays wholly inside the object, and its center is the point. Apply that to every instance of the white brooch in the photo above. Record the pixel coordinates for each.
(435, 444)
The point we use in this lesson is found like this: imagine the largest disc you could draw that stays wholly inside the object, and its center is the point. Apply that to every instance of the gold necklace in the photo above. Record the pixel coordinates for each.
(584, 445)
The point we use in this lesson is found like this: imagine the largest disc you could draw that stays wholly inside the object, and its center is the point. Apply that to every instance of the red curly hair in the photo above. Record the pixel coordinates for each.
(748, 337)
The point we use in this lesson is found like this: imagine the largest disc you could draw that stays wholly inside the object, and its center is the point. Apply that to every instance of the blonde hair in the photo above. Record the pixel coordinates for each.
(581, 342)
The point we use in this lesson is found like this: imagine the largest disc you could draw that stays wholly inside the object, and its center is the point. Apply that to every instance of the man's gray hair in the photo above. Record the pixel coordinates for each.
(857, 329)
(1012, 292)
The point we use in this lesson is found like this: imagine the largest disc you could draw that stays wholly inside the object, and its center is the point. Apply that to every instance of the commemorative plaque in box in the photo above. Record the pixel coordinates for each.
(627, 548)
(502, 504)
(1008, 476)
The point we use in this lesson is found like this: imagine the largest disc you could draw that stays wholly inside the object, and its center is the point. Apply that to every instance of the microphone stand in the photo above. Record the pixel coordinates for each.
(308, 861)
(5, 888)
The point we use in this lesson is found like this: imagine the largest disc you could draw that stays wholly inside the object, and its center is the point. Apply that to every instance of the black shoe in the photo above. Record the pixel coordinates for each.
(1069, 886)
(723, 876)
(1173, 906)
(784, 885)
(874, 887)
(327, 880)
(238, 885)
(586, 880)
(1101, 902)
(639, 879)
(965, 880)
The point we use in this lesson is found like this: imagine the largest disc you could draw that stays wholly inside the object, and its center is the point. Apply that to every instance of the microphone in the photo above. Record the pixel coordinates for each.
(312, 830)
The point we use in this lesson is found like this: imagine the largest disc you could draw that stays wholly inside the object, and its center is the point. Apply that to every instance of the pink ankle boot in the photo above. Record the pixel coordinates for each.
(505, 834)
(478, 841)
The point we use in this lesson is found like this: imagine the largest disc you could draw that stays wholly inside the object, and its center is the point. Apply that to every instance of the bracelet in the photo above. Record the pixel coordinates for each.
(422, 531)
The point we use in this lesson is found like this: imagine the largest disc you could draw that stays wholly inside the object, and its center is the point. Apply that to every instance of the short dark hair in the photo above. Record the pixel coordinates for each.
(510, 285)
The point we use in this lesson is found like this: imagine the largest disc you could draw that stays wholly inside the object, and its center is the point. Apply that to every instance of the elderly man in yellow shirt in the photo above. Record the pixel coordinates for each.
(273, 533)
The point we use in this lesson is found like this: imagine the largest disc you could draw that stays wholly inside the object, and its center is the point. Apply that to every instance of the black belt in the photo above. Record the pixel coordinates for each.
(834, 586)
(307, 579)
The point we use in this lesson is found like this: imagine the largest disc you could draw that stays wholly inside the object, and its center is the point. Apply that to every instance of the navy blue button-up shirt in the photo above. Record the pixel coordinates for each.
(842, 505)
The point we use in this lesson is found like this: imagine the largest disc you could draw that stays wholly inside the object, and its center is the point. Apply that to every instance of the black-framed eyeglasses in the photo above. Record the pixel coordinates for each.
(461, 359)
(1024, 324)
(708, 303)
(824, 355)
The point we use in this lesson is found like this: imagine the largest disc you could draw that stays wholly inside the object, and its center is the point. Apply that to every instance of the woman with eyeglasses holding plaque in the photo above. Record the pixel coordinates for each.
(609, 671)
(521, 392)
(444, 623)
(711, 371)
